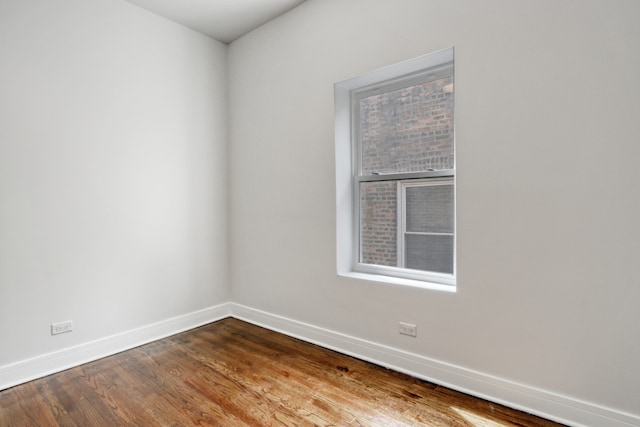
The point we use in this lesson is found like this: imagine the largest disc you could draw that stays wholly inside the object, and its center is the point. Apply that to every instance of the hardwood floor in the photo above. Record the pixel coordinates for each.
(231, 373)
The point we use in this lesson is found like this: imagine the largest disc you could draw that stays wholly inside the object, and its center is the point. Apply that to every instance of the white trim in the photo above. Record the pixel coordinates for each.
(547, 404)
(50, 363)
(553, 406)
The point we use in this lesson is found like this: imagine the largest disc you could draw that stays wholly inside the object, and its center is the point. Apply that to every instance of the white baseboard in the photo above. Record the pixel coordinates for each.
(543, 403)
(46, 364)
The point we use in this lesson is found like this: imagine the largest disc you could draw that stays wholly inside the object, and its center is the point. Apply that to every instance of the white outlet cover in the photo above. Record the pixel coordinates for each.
(407, 329)
(61, 327)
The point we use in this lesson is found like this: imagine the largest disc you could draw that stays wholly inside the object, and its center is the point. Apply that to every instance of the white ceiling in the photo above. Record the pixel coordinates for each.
(223, 20)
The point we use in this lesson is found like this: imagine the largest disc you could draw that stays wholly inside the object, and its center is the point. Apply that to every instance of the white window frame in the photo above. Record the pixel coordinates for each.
(348, 176)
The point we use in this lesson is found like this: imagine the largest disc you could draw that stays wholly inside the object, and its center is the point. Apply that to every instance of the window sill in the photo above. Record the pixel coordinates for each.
(398, 281)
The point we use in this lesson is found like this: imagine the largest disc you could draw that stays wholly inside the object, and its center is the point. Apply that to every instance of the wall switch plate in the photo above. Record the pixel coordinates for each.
(408, 329)
(61, 327)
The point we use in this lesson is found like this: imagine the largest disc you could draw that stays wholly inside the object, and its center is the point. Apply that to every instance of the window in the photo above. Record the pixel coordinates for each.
(395, 169)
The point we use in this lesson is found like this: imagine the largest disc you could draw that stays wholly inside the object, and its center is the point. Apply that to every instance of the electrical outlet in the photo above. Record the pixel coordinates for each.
(408, 329)
(61, 327)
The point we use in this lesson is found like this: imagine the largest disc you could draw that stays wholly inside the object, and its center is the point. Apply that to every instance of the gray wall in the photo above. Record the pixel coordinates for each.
(113, 179)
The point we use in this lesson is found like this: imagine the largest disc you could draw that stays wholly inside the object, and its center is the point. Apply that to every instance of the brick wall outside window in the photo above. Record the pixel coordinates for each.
(404, 130)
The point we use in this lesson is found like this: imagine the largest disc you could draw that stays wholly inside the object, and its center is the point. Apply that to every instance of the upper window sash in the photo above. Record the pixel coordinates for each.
(406, 81)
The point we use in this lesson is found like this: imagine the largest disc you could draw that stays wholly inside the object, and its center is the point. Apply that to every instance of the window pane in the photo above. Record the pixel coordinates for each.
(429, 208)
(408, 129)
(378, 223)
(429, 252)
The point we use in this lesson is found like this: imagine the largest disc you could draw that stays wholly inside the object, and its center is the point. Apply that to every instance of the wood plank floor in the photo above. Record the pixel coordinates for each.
(231, 373)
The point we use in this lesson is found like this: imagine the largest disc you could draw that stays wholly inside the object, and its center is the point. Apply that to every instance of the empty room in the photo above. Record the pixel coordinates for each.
(319, 212)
